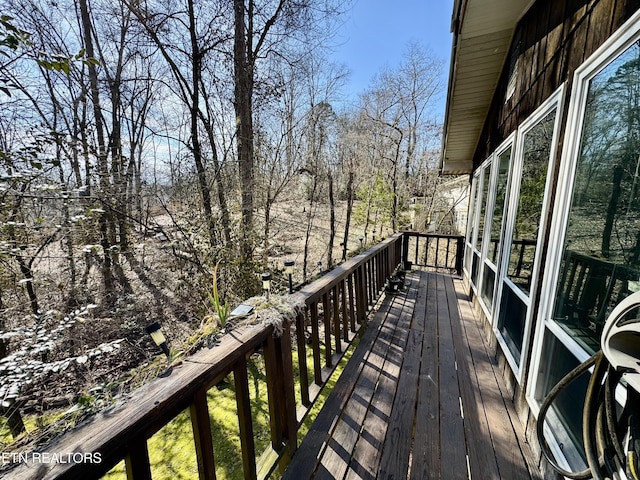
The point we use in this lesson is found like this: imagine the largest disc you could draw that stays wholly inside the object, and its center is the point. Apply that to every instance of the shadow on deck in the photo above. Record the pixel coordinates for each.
(420, 398)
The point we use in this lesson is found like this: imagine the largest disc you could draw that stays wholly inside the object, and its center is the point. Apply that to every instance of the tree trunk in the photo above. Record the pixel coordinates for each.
(103, 170)
(225, 218)
(14, 420)
(68, 240)
(305, 259)
(196, 55)
(611, 211)
(368, 212)
(332, 221)
(348, 219)
(267, 225)
(243, 89)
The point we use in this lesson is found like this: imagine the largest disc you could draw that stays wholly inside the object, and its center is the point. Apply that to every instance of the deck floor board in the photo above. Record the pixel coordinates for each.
(420, 398)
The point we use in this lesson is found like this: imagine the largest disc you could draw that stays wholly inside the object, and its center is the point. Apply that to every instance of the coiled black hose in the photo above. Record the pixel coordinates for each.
(602, 426)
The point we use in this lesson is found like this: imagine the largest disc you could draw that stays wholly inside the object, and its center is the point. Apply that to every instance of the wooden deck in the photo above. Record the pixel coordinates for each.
(420, 398)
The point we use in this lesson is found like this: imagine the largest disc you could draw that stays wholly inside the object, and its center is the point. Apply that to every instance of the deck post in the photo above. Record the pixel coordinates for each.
(290, 425)
(404, 255)
(459, 255)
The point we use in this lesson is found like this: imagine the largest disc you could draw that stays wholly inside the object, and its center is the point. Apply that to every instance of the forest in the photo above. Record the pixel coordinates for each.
(156, 157)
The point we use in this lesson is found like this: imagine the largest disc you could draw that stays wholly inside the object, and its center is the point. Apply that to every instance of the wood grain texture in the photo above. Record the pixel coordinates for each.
(557, 37)
(424, 401)
(201, 425)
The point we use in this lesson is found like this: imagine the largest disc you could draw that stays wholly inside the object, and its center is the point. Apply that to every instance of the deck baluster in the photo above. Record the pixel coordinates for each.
(326, 312)
(301, 342)
(201, 425)
(275, 395)
(137, 461)
(343, 306)
(336, 318)
(352, 311)
(285, 370)
(315, 344)
(245, 423)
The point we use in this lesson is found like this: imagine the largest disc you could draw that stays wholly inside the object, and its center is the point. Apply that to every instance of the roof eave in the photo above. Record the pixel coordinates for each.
(482, 32)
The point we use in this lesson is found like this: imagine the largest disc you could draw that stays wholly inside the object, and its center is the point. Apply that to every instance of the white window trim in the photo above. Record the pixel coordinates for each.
(609, 51)
(554, 102)
(471, 226)
(489, 214)
(621, 40)
(478, 179)
(504, 146)
(488, 163)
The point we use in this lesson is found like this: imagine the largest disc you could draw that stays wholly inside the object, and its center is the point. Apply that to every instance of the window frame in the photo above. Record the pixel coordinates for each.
(490, 210)
(554, 102)
(473, 252)
(484, 202)
(471, 226)
(607, 53)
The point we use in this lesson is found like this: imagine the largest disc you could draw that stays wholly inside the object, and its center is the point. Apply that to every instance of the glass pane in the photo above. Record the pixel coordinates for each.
(488, 281)
(472, 207)
(498, 211)
(512, 321)
(483, 208)
(537, 149)
(601, 256)
(474, 268)
(468, 257)
(565, 415)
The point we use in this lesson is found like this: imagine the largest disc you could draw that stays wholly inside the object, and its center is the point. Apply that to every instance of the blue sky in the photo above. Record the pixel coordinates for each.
(376, 32)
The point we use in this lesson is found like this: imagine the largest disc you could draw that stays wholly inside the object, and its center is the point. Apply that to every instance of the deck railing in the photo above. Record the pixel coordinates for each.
(336, 307)
(434, 251)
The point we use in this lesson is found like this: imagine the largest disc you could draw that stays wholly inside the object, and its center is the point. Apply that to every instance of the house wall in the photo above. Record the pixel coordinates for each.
(555, 38)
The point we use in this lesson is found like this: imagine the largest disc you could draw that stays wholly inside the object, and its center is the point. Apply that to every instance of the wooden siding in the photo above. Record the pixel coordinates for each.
(557, 37)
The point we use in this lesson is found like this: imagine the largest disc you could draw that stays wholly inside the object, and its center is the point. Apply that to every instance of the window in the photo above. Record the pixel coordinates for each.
(594, 250)
(481, 183)
(565, 414)
(504, 161)
(527, 206)
(485, 183)
(537, 149)
(495, 219)
(486, 180)
(601, 249)
(471, 227)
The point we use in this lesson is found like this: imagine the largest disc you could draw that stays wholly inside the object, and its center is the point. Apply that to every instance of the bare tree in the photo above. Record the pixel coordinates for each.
(399, 108)
(190, 86)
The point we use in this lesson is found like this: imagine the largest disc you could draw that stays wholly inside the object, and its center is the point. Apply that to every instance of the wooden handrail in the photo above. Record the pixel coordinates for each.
(340, 300)
(426, 254)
